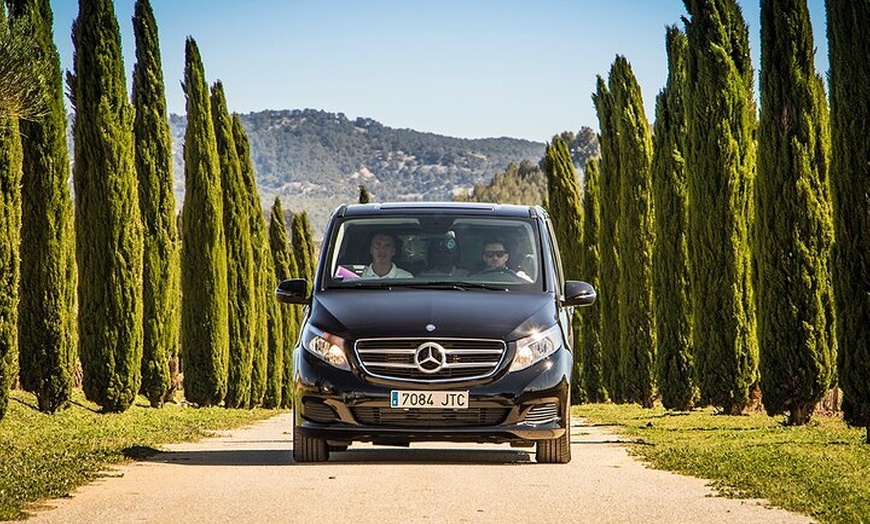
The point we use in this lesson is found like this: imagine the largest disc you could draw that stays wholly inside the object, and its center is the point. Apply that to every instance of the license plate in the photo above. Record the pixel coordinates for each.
(429, 399)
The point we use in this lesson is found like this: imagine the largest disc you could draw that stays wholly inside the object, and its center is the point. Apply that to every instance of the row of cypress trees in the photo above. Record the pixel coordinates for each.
(713, 244)
(119, 248)
(236, 341)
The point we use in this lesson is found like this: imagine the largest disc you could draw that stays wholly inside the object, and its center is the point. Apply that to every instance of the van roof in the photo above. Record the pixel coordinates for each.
(440, 207)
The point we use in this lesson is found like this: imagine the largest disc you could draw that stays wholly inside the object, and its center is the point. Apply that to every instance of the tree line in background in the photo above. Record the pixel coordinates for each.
(115, 292)
(730, 250)
(729, 246)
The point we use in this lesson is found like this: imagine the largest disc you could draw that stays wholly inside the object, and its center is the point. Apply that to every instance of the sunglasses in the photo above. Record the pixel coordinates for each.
(494, 254)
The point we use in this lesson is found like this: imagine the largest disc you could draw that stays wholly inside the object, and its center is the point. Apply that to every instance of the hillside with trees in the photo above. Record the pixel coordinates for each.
(319, 159)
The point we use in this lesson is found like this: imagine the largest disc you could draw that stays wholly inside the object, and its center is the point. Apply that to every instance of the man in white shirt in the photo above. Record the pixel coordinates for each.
(383, 249)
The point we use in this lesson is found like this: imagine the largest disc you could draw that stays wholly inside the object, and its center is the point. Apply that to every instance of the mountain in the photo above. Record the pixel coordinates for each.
(315, 160)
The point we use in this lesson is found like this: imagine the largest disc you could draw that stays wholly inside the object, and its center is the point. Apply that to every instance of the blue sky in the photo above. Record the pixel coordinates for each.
(464, 68)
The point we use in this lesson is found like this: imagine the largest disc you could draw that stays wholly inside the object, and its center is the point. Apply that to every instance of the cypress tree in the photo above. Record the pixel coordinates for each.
(108, 220)
(720, 162)
(303, 246)
(794, 228)
(674, 360)
(364, 196)
(563, 194)
(240, 256)
(204, 316)
(10, 225)
(47, 301)
(848, 49)
(292, 323)
(637, 337)
(262, 264)
(593, 373)
(608, 300)
(285, 321)
(161, 256)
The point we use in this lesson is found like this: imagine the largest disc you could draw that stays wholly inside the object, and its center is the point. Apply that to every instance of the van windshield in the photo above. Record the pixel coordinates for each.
(435, 250)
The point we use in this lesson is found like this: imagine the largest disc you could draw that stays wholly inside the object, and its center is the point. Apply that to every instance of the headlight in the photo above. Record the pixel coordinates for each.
(536, 347)
(326, 346)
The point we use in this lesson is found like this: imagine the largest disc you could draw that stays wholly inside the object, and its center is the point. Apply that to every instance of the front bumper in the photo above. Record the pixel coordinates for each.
(346, 406)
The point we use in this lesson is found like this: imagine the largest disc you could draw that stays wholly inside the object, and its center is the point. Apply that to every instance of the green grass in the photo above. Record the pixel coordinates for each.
(47, 456)
(821, 470)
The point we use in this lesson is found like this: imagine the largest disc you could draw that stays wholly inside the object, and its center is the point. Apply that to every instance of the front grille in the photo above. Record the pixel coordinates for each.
(542, 414)
(423, 418)
(464, 359)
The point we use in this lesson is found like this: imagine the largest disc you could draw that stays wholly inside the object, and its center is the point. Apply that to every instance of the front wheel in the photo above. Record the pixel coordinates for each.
(557, 450)
(308, 449)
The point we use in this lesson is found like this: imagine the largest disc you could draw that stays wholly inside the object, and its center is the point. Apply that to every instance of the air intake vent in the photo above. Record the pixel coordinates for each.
(542, 414)
(421, 418)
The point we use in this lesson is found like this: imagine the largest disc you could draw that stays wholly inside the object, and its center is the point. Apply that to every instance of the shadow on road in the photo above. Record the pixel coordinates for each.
(436, 456)
(361, 456)
(233, 457)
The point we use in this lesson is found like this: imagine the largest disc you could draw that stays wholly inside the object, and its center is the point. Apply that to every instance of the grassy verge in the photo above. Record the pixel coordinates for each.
(821, 470)
(46, 456)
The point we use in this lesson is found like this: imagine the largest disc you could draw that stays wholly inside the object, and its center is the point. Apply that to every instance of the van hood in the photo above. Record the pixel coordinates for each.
(406, 312)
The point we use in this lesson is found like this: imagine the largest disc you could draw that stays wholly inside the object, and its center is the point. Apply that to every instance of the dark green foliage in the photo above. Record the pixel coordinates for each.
(720, 164)
(264, 285)
(46, 311)
(284, 323)
(204, 317)
(590, 267)
(563, 195)
(108, 220)
(674, 359)
(565, 209)
(10, 225)
(364, 196)
(794, 227)
(161, 268)
(636, 235)
(240, 255)
(523, 184)
(848, 48)
(608, 300)
(303, 247)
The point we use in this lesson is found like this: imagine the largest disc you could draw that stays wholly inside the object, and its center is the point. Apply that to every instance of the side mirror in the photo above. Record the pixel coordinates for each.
(293, 291)
(579, 293)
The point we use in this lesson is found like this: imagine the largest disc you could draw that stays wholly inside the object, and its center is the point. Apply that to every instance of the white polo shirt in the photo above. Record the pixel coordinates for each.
(394, 272)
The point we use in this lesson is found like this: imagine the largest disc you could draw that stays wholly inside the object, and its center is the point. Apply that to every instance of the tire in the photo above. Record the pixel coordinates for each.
(557, 450)
(308, 449)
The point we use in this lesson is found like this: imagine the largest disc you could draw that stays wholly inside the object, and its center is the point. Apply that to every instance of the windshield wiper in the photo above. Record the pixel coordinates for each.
(367, 284)
(458, 285)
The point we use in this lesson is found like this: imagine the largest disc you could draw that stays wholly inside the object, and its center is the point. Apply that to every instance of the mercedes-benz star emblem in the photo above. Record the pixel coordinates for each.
(430, 357)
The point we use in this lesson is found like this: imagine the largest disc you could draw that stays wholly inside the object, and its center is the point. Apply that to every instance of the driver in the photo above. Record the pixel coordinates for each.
(495, 258)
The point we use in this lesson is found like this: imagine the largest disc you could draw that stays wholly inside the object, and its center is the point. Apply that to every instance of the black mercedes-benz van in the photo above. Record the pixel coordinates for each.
(435, 322)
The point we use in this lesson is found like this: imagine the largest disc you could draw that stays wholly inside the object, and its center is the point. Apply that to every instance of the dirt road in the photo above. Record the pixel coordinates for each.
(248, 476)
